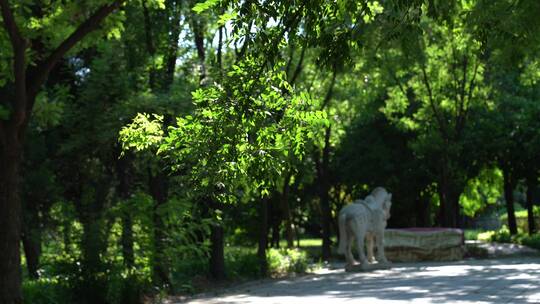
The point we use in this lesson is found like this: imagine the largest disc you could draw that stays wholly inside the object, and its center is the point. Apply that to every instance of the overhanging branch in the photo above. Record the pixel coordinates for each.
(10, 25)
(330, 91)
(44, 67)
(19, 101)
(438, 117)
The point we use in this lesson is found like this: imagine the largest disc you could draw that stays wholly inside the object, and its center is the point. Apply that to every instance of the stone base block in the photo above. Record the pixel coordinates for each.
(424, 244)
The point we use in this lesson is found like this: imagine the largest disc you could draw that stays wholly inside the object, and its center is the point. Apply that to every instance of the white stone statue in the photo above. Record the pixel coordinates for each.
(365, 220)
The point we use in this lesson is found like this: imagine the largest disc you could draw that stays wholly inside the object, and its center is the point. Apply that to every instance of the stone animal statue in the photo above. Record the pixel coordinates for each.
(365, 220)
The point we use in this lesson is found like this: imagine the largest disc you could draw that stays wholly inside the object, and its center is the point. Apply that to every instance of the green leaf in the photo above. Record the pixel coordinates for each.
(203, 6)
(4, 113)
(223, 19)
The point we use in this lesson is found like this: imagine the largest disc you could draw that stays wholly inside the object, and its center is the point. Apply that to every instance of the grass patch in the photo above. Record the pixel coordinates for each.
(241, 264)
(503, 236)
(472, 234)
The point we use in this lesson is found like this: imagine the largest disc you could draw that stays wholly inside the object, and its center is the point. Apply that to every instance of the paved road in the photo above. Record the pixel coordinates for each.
(510, 280)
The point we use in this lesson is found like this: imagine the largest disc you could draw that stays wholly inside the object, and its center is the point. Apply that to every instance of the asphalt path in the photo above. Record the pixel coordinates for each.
(504, 280)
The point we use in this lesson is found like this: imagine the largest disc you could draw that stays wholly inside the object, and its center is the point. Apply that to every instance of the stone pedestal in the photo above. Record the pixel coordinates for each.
(424, 244)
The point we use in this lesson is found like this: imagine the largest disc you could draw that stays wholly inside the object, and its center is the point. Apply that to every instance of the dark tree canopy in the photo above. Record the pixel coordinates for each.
(138, 136)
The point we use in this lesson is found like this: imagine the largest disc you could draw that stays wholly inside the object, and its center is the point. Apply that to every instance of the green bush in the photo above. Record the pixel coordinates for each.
(126, 288)
(472, 234)
(522, 219)
(46, 291)
(282, 261)
(500, 236)
(504, 236)
(184, 271)
(485, 236)
(242, 262)
(532, 241)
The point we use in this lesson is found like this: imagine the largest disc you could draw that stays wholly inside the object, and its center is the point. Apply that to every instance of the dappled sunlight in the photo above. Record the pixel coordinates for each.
(487, 281)
(152, 150)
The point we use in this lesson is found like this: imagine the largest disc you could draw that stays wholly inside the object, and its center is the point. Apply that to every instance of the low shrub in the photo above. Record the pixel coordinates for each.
(472, 234)
(522, 221)
(532, 241)
(45, 291)
(485, 236)
(126, 288)
(242, 262)
(283, 261)
(186, 271)
(503, 236)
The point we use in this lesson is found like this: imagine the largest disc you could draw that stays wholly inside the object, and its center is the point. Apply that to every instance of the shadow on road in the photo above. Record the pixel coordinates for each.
(490, 281)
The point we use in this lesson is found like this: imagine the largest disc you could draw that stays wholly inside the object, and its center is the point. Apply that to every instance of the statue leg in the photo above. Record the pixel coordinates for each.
(348, 252)
(348, 238)
(369, 246)
(381, 257)
(360, 236)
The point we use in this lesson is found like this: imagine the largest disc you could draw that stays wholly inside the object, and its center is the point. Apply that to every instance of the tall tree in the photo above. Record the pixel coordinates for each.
(436, 97)
(20, 90)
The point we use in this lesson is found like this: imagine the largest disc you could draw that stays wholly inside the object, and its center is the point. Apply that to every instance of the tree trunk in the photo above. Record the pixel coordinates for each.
(274, 218)
(159, 191)
(26, 86)
(326, 244)
(197, 26)
(219, 54)
(509, 197)
(454, 195)
(531, 186)
(422, 212)
(127, 241)
(324, 184)
(217, 255)
(90, 205)
(174, 36)
(10, 217)
(150, 47)
(31, 239)
(263, 236)
(91, 289)
(449, 203)
(124, 186)
(286, 211)
(92, 244)
(31, 235)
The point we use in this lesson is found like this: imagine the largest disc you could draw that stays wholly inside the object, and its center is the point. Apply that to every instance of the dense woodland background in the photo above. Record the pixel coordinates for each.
(147, 146)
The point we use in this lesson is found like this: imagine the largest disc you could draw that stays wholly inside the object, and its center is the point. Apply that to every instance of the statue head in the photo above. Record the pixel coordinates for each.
(384, 200)
(387, 204)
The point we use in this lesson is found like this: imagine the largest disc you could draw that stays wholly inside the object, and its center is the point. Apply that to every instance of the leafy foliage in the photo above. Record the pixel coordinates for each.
(177, 117)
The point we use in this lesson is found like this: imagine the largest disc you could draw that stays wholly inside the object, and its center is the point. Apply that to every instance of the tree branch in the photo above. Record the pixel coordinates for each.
(299, 66)
(459, 109)
(18, 43)
(219, 55)
(400, 85)
(289, 62)
(330, 91)
(174, 36)
(10, 25)
(45, 66)
(315, 75)
(467, 103)
(440, 120)
(455, 81)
